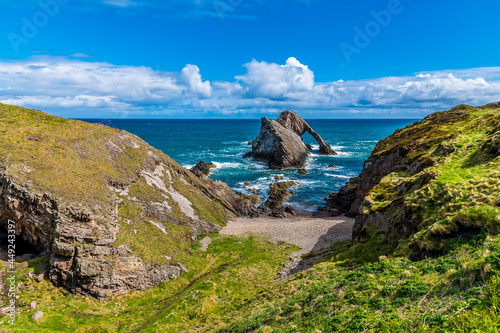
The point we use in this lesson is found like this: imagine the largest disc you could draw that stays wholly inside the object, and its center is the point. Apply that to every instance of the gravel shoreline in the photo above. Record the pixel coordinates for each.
(308, 232)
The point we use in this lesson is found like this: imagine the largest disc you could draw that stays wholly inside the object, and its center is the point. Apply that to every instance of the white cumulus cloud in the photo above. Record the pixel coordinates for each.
(277, 81)
(78, 88)
(192, 77)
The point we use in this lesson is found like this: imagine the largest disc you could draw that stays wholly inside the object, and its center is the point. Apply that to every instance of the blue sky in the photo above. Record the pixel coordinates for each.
(248, 58)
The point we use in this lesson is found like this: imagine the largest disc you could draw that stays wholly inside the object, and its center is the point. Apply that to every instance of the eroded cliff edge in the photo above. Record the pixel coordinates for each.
(114, 213)
(429, 183)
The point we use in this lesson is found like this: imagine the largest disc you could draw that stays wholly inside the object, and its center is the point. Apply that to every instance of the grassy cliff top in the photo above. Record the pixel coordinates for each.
(113, 175)
(447, 184)
(71, 158)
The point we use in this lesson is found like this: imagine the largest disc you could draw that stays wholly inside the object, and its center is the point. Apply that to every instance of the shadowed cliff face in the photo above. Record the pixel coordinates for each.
(434, 180)
(279, 143)
(115, 213)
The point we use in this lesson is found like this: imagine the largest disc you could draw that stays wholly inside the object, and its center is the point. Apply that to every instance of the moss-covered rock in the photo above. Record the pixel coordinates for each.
(433, 181)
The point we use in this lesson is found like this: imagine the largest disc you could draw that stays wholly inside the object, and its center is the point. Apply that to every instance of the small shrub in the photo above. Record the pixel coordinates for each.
(412, 289)
(436, 321)
(376, 303)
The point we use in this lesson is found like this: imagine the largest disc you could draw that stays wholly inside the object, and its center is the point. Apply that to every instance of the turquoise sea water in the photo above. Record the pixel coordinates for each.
(225, 141)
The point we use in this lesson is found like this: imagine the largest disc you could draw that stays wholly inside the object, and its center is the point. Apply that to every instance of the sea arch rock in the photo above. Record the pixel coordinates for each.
(280, 145)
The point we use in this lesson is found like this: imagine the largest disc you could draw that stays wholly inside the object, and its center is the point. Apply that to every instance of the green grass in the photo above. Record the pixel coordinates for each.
(351, 291)
(384, 295)
(234, 271)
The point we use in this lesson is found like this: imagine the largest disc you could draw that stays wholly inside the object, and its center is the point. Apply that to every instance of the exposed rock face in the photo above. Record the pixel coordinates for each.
(339, 203)
(294, 122)
(241, 203)
(279, 147)
(82, 207)
(202, 169)
(279, 143)
(278, 194)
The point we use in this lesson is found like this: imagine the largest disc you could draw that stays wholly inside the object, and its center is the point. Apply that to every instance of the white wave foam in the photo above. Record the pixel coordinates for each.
(337, 176)
(227, 165)
(343, 154)
(260, 166)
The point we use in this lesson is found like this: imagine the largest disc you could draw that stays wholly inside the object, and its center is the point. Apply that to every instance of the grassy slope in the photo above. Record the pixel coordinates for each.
(237, 270)
(73, 162)
(363, 287)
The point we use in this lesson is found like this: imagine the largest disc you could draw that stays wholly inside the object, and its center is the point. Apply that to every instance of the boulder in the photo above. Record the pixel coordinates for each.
(37, 315)
(202, 169)
(303, 171)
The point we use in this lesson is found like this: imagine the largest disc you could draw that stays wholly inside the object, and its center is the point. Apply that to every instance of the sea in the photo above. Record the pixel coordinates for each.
(224, 142)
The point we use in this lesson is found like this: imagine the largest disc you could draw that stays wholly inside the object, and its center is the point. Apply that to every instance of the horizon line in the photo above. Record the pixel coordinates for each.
(83, 119)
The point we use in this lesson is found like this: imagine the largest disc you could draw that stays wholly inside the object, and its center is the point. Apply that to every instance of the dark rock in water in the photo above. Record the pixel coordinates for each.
(253, 190)
(294, 122)
(332, 166)
(278, 194)
(248, 155)
(303, 171)
(279, 143)
(279, 147)
(202, 169)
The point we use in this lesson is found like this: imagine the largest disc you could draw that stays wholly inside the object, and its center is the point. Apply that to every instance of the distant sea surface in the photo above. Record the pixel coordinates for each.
(225, 141)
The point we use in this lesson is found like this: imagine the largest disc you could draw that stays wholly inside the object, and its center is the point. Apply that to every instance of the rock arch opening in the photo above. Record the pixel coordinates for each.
(294, 122)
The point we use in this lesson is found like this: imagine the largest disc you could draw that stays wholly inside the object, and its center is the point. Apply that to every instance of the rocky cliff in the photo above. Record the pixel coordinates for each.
(279, 143)
(114, 213)
(431, 182)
